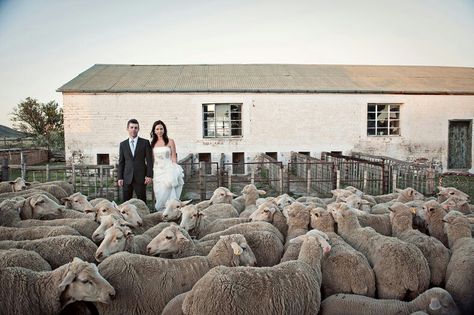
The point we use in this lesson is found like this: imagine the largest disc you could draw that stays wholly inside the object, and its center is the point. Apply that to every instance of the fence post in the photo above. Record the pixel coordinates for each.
(281, 179)
(47, 173)
(364, 187)
(252, 177)
(308, 180)
(430, 182)
(101, 181)
(394, 181)
(288, 174)
(73, 175)
(338, 179)
(385, 179)
(202, 180)
(5, 170)
(23, 165)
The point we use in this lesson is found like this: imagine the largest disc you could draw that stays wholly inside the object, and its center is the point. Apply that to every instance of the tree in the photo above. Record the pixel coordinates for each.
(44, 121)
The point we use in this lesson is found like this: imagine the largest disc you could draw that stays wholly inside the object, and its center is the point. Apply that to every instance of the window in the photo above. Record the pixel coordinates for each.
(206, 157)
(273, 155)
(238, 160)
(383, 120)
(222, 120)
(103, 159)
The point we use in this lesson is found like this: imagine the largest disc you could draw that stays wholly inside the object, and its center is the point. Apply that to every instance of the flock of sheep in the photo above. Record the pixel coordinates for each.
(399, 253)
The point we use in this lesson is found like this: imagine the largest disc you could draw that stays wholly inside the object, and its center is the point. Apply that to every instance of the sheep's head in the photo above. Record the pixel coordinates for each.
(105, 223)
(172, 209)
(298, 212)
(236, 245)
(265, 212)
(101, 209)
(83, 282)
(78, 202)
(222, 195)
(130, 214)
(190, 215)
(439, 301)
(409, 194)
(42, 206)
(446, 192)
(341, 212)
(321, 219)
(168, 241)
(433, 208)
(19, 184)
(456, 203)
(283, 201)
(117, 238)
(321, 237)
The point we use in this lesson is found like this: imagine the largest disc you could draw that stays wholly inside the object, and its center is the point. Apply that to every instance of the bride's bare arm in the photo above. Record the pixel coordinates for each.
(173, 151)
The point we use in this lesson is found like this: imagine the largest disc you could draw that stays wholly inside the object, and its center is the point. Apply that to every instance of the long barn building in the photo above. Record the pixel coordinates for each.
(241, 110)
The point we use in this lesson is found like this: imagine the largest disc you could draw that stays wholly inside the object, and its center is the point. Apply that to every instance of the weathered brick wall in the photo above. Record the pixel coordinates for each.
(96, 123)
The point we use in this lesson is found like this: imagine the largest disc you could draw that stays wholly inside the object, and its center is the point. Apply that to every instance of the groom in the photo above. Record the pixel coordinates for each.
(133, 173)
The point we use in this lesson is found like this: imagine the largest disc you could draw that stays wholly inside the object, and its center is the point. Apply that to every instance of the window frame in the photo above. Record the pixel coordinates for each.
(374, 124)
(227, 129)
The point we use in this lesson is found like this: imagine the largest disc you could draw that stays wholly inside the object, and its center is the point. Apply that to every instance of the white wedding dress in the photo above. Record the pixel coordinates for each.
(168, 178)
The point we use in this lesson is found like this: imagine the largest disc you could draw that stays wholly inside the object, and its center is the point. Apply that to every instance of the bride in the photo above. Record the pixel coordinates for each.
(167, 174)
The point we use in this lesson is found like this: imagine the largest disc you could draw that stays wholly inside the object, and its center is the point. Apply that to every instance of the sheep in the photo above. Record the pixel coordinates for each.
(292, 287)
(94, 202)
(195, 221)
(250, 194)
(270, 212)
(221, 224)
(459, 274)
(57, 250)
(174, 240)
(84, 226)
(434, 251)
(38, 206)
(400, 269)
(57, 191)
(23, 258)
(120, 238)
(298, 223)
(458, 204)
(433, 301)
(24, 291)
(434, 215)
(142, 208)
(145, 284)
(224, 195)
(318, 202)
(379, 222)
(172, 209)
(26, 194)
(174, 307)
(404, 195)
(446, 192)
(32, 233)
(129, 212)
(66, 186)
(78, 202)
(17, 185)
(322, 220)
(244, 228)
(283, 200)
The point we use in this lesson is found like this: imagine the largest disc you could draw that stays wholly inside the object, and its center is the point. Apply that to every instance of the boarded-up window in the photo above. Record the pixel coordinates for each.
(222, 120)
(460, 143)
(383, 119)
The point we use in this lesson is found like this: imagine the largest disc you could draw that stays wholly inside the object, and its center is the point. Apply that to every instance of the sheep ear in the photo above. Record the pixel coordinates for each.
(20, 204)
(299, 239)
(186, 202)
(411, 192)
(180, 236)
(435, 304)
(261, 192)
(115, 205)
(11, 183)
(90, 210)
(441, 188)
(65, 199)
(35, 201)
(413, 210)
(237, 249)
(229, 193)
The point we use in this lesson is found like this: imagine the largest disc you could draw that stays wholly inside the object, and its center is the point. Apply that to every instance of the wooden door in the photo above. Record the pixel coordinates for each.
(460, 144)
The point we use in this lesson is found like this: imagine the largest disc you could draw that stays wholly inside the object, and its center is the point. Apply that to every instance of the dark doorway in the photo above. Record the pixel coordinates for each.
(304, 153)
(103, 159)
(460, 144)
(206, 157)
(238, 160)
(273, 155)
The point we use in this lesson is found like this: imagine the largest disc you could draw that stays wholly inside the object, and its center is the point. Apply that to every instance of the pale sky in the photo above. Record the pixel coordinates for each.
(44, 44)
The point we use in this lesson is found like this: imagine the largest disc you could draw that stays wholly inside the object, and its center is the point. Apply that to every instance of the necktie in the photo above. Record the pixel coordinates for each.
(133, 147)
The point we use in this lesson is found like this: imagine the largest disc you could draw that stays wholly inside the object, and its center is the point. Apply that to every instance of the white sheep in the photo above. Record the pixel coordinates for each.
(434, 214)
(66, 186)
(145, 284)
(172, 209)
(175, 306)
(77, 201)
(224, 195)
(271, 213)
(298, 224)
(457, 203)
(16, 185)
(141, 206)
(195, 220)
(434, 251)
(24, 291)
(23, 258)
(32, 233)
(459, 274)
(292, 287)
(446, 192)
(434, 301)
(406, 278)
(57, 250)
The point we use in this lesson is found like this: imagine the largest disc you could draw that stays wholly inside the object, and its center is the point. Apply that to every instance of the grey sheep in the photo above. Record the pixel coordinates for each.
(24, 291)
(175, 306)
(27, 193)
(57, 191)
(141, 206)
(57, 250)
(457, 203)
(18, 184)
(434, 251)
(298, 223)
(446, 192)
(249, 227)
(271, 213)
(66, 186)
(119, 238)
(292, 287)
(23, 258)
(434, 301)
(221, 224)
(265, 245)
(32, 233)
(459, 274)
(145, 284)
(434, 214)
(400, 269)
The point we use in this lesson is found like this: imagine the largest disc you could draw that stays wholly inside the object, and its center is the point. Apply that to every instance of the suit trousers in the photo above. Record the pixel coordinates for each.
(138, 187)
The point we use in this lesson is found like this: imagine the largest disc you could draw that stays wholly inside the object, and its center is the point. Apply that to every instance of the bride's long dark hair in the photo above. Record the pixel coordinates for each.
(154, 137)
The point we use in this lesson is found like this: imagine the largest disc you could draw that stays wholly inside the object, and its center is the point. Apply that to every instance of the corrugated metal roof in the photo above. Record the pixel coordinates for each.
(273, 78)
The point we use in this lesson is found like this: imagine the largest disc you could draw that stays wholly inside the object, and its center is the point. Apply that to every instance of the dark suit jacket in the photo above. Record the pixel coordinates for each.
(130, 166)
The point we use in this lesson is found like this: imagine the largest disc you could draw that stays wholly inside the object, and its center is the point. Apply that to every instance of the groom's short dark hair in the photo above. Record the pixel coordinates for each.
(132, 121)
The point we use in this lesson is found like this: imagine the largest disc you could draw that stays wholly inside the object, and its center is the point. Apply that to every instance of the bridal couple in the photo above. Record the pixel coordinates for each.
(142, 163)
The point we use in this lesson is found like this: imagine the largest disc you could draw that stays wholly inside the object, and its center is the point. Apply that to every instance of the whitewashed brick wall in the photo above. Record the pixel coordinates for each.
(96, 123)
